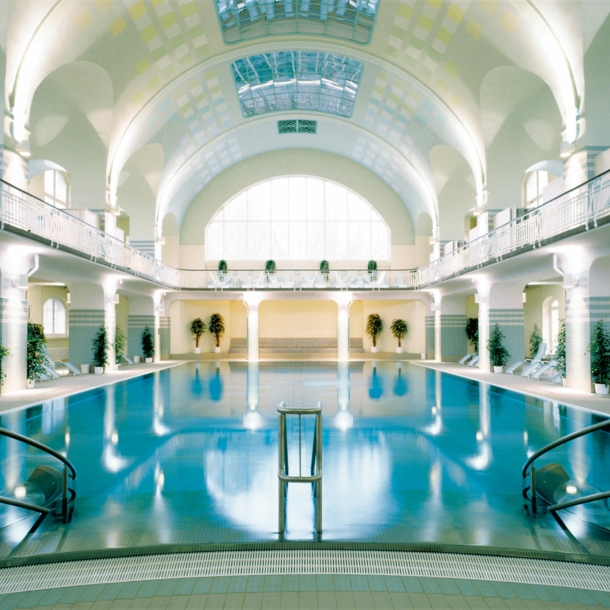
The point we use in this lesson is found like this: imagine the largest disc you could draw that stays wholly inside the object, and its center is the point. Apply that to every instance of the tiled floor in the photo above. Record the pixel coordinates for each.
(305, 592)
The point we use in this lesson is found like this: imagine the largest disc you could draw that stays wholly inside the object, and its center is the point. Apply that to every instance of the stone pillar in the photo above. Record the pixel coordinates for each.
(344, 300)
(87, 315)
(482, 298)
(506, 310)
(164, 337)
(110, 301)
(252, 301)
(14, 267)
(430, 343)
(452, 325)
(141, 315)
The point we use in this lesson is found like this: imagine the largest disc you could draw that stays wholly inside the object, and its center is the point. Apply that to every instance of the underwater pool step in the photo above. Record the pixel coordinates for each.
(304, 561)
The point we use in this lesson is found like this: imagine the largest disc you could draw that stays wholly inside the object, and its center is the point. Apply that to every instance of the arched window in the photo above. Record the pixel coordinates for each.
(56, 188)
(54, 317)
(297, 218)
(533, 187)
(550, 322)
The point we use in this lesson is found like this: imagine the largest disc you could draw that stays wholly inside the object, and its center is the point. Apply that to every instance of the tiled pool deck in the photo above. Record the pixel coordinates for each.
(309, 592)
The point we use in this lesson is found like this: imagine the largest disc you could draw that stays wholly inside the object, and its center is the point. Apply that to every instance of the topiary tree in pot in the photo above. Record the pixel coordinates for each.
(498, 354)
(472, 333)
(4, 352)
(560, 351)
(148, 344)
(217, 328)
(100, 348)
(600, 357)
(35, 357)
(535, 340)
(222, 266)
(399, 329)
(197, 328)
(120, 340)
(372, 269)
(374, 327)
(270, 266)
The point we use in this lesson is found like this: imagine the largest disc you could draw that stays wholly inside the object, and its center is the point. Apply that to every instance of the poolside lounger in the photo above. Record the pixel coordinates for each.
(340, 282)
(287, 282)
(273, 281)
(51, 372)
(320, 280)
(219, 281)
(261, 281)
(557, 378)
(73, 369)
(466, 358)
(474, 361)
(308, 282)
(543, 369)
(53, 364)
(536, 359)
(127, 359)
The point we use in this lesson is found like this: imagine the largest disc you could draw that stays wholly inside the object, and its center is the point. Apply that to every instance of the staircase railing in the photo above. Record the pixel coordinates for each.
(530, 462)
(68, 493)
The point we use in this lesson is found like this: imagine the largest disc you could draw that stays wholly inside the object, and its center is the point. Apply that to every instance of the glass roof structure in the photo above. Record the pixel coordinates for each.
(297, 80)
(345, 19)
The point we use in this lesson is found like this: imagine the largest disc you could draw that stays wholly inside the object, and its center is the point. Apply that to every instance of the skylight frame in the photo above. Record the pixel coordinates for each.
(297, 80)
(351, 20)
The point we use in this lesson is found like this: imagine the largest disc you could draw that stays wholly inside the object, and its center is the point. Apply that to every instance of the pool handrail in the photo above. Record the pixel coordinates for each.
(66, 462)
(584, 500)
(43, 510)
(560, 441)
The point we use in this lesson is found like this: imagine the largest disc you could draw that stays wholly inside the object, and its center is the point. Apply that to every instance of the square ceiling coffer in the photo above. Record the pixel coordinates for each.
(297, 126)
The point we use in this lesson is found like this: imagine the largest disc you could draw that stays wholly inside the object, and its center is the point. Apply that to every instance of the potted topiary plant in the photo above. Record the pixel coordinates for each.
(4, 352)
(535, 340)
(100, 348)
(374, 327)
(217, 328)
(222, 267)
(197, 328)
(498, 354)
(560, 352)
(120, 340)
(472, 333)
(399, 330)
(270, 266)
(35, 358)
(600, 357)
(148, 345)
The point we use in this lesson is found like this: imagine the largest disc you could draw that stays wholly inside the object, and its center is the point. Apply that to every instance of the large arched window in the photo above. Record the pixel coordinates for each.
(297, 218)
(56, 188)
(54, 317)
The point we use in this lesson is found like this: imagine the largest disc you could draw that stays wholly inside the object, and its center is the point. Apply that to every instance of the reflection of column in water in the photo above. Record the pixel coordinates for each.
(579, 459)
(52, 415)
(344, 418)
(159, 428)
(482, 459)
(215, 385)
(13, 460)
(110, 458)
(252, 419)
(436, 427)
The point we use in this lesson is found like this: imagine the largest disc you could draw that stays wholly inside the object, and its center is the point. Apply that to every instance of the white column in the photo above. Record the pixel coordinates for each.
(110, 299)
(252, 301)
(484, 361)
(344, 301)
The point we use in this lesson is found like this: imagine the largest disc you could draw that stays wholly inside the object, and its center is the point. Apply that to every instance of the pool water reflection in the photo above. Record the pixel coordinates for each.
(189, 455)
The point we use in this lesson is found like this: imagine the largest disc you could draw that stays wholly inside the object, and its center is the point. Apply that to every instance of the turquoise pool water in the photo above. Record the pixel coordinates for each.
(188, 455)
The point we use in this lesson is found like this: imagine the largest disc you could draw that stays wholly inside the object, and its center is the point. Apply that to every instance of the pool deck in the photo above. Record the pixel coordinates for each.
(66, 385)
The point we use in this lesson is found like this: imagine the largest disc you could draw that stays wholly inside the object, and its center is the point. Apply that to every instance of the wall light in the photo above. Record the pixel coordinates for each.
(524, 297)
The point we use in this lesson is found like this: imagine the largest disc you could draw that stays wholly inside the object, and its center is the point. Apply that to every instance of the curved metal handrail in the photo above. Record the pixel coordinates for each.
(561, 441)
(65, 498)
(584, 500)
(41, 446)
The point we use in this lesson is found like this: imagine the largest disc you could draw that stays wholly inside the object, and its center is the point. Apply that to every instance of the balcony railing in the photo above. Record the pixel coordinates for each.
(32, 216)
(579, 209)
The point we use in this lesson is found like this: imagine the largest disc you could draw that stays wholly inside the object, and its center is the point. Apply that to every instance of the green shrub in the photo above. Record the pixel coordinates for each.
(374, 327)
(120, 340)
(535, 340)
(197, 328)
(600, 353)
(100, 348)
(148, 343)
(35, 358)
(217, 327)
(498, 354)
(399, 329)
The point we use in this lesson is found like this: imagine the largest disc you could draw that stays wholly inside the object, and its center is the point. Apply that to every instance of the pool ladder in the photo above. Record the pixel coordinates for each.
(315, 476)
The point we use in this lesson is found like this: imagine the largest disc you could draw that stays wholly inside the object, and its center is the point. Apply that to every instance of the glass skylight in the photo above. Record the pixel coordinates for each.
(297, 80)
(345, 19)
(297, 218)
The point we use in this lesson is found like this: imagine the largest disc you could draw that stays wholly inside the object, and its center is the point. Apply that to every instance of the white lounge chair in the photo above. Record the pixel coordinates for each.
(537, 359)
(308, 282)
(273, 280)
(53, 364)
(287, 282)
(543, 369)
(261, 281)
(51, 372)
(340, 282)
(465, 359)
(127, 359)
(475, 361)
(219, 281)
(320, 280)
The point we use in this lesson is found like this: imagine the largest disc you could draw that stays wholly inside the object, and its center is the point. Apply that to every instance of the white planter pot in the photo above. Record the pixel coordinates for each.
(399, 350)
(216, 350)
(563, 382)
(198, 350)
(498, 369)
(374, 349)
(423, 355)
(601, 388)
(99, 370)
(136, 359)
(30, 384)
(148, 360)
(84, 369)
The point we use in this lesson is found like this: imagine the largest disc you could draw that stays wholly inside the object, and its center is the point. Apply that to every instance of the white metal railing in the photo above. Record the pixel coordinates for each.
(28, 213)
(581, 207)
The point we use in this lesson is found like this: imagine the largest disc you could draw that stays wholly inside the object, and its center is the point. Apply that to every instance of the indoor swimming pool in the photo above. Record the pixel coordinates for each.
(189, 456)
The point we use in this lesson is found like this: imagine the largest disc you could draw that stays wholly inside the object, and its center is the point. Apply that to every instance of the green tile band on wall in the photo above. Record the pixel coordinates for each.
(512, 324)
(135, 326)
(453, 337)
(83, 325)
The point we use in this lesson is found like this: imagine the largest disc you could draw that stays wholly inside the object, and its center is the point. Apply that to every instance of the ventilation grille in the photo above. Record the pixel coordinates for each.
(297, 126)
(267, 562)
